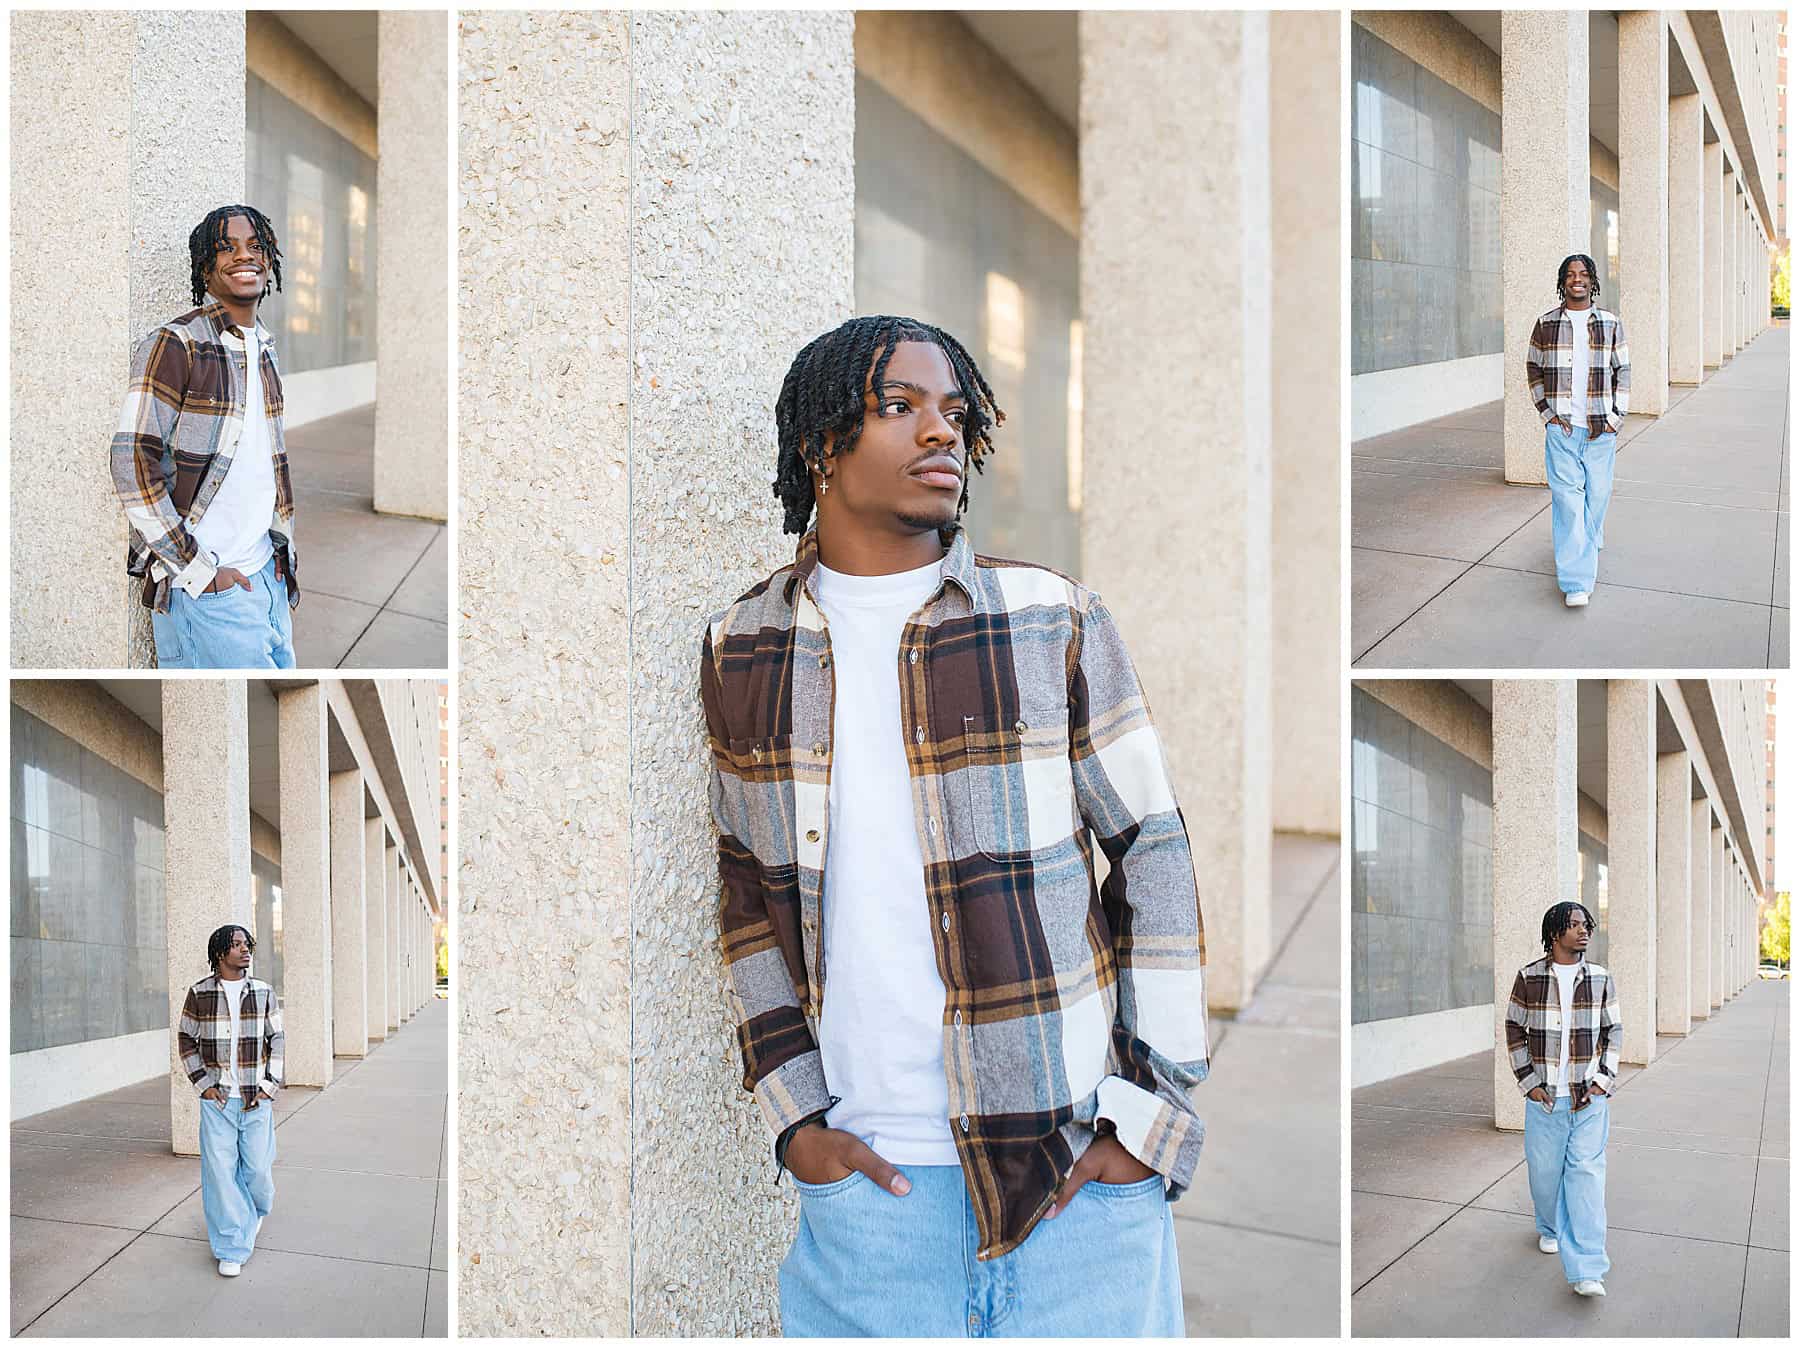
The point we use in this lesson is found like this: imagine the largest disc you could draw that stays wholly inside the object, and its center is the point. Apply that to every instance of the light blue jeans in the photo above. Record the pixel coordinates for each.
(866, 1263)
(1565, 1157)
(1579, 467)
(233, 628)
(237, 1184)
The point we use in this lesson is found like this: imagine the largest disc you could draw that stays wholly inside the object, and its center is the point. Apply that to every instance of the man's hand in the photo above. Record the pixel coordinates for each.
(1563, 422)
(820, 1155)
(228, 576)
(256, 1100)
(214, 1093)
(1539, 1094)
(1105, 1160)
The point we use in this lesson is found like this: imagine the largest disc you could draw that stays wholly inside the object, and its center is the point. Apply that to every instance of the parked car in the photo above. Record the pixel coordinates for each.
(1771, 970)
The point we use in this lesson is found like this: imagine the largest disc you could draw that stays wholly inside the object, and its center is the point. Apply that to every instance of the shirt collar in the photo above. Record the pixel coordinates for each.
(222, 322)
(957, 567)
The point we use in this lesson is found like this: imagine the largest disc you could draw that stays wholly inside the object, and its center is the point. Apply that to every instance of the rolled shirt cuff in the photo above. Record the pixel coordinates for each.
(1161, 1134)
(793, 1091)
(199, 573)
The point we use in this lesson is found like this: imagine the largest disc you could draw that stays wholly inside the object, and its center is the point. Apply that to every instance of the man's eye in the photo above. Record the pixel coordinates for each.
(901, 403)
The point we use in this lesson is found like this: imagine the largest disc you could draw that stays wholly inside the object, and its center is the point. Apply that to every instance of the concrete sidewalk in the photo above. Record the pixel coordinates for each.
(1452, 568)
(1442, 1239)
(1258, 1231)
(108, 1239)
(375, 589)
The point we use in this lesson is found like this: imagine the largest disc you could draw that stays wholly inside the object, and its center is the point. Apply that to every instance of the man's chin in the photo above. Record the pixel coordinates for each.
(922, 521)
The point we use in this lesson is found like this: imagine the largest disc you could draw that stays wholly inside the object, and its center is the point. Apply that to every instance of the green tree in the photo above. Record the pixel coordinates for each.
(1776, 926)
(443, 960)
(1780, 286)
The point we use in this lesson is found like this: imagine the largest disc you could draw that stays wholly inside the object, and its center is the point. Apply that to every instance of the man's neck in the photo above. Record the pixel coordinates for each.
(1557, 957)
(228, 976)
(241, 313)
(1581, 308)
(857, 553)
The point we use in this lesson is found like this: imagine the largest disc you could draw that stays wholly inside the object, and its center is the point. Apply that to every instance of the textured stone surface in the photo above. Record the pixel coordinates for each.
(305, 885)
(412, 179)
(396, 938)
(349, 920)
(1543, 195)
(1631, 859)
(1644, 253)
(1712, 219)
(1730, 233)
(1687, 263)
(150, 105)
(1160, 169)
(1674, 880)
(1306, 168)
(206, 849)
(1536, 858)
(374, 927)
(1715, 935)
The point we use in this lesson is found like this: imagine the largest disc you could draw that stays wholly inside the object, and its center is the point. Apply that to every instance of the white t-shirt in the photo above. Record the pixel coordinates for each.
(236, 524)
(1565, 987)
(234, 995)
(881, 1032)
(1578, 376)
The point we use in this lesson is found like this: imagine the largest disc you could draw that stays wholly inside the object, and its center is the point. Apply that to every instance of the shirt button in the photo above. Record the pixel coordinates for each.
(957, 1018)
(946, 922)
(965, 1123)
(931, 827)
(918, 734)
(824, 662)
(912, 657)
(819, 748)
(812, 835)
(1019, 727)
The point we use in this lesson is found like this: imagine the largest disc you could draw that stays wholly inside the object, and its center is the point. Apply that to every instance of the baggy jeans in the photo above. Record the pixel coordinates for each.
(1579, 468)
(1565, 1157)
(233, 628)
(237, 1186)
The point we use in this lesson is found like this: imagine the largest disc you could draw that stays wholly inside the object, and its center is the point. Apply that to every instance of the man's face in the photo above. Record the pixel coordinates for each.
(1577, 284)
(1574, 937)
(237, 959)
(906, 472)
(238, 270)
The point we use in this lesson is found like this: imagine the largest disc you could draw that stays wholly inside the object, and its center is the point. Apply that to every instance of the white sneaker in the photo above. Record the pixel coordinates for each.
(227, 1269)
(256, 1230)
(1547, 1244)
(1576, 600)
(1590, 1287)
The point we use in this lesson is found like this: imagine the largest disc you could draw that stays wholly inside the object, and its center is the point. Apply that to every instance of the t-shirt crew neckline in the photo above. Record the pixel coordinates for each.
(876, 591)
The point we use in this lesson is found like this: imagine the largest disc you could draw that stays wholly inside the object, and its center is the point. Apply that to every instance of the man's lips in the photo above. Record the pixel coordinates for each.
(940, 471)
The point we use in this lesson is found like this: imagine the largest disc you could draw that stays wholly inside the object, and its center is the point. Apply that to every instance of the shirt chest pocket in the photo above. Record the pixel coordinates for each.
(1014, 793)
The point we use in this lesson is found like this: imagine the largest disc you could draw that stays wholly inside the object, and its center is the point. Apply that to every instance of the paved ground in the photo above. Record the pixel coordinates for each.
(376, 587)
(108, 1238)
(1258, 1232)
(1442, 1240)
(1452, 568)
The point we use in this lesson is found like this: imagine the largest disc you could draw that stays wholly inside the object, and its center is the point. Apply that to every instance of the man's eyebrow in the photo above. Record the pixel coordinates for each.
(910, 387)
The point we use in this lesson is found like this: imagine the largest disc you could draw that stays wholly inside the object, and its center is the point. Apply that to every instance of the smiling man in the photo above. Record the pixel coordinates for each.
(200, 464)
(973, 1061)
(1562, 1032)
(1578, 370)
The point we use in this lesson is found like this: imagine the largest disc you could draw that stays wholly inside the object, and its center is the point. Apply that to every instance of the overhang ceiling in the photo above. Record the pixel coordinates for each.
(345, 39)
(1590, 730)
(1603, 65)
(1040, 46)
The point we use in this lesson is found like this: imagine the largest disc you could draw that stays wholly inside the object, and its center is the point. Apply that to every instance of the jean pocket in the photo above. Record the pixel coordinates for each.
(831, 1189)
(1144, 1188)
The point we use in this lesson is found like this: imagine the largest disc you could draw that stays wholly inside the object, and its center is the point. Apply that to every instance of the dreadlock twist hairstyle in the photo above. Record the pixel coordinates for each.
(1593, 272)
(1557, 921)
(220, 942)
(203, 245)
(822, 397)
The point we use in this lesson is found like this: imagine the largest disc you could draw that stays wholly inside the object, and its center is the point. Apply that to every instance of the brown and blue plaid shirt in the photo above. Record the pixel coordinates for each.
(1550, 368)
(1067, 1004)
(183, 414)
(203, 1037)
(1534, 1029)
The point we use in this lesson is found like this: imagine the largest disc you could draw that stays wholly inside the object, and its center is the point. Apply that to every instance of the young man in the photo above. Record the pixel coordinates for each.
(974, 1062)
(200, 464)
(1578, 369)
(230, 1041)
(1562, 1030)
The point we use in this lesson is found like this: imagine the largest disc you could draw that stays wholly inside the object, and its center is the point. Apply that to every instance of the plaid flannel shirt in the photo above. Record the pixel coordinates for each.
(203, 1037)
(1550, 368)
(1534, 1029)
(183, 414)
(1066, 1005)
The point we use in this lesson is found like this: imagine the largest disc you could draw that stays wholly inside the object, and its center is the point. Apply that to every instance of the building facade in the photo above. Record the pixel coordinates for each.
(1646, 139)
(730, 199)
(147, 814)
(1478, 804)
(336, 126)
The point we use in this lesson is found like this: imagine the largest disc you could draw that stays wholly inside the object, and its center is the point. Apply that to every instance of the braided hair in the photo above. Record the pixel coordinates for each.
(203, 245)
(220, 942)
(1593, 272)
(1557, 921)
(823, 396)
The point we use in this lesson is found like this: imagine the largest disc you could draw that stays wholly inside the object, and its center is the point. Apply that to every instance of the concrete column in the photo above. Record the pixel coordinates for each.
(1644, 205)
(206, 867)
(147, 108)
(1631, 835)
(1732, 257)
(305, 884)
(1674, 879)
(349, 917)
(412, 243)
(403, 952)
(1715, 936)
(381, 880)
(1537, 860)
(1687, 262)
(397, 943)
(1207, 534)
(1700, 914)
(1543, 196)
(422, 956)
(1712, 288)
